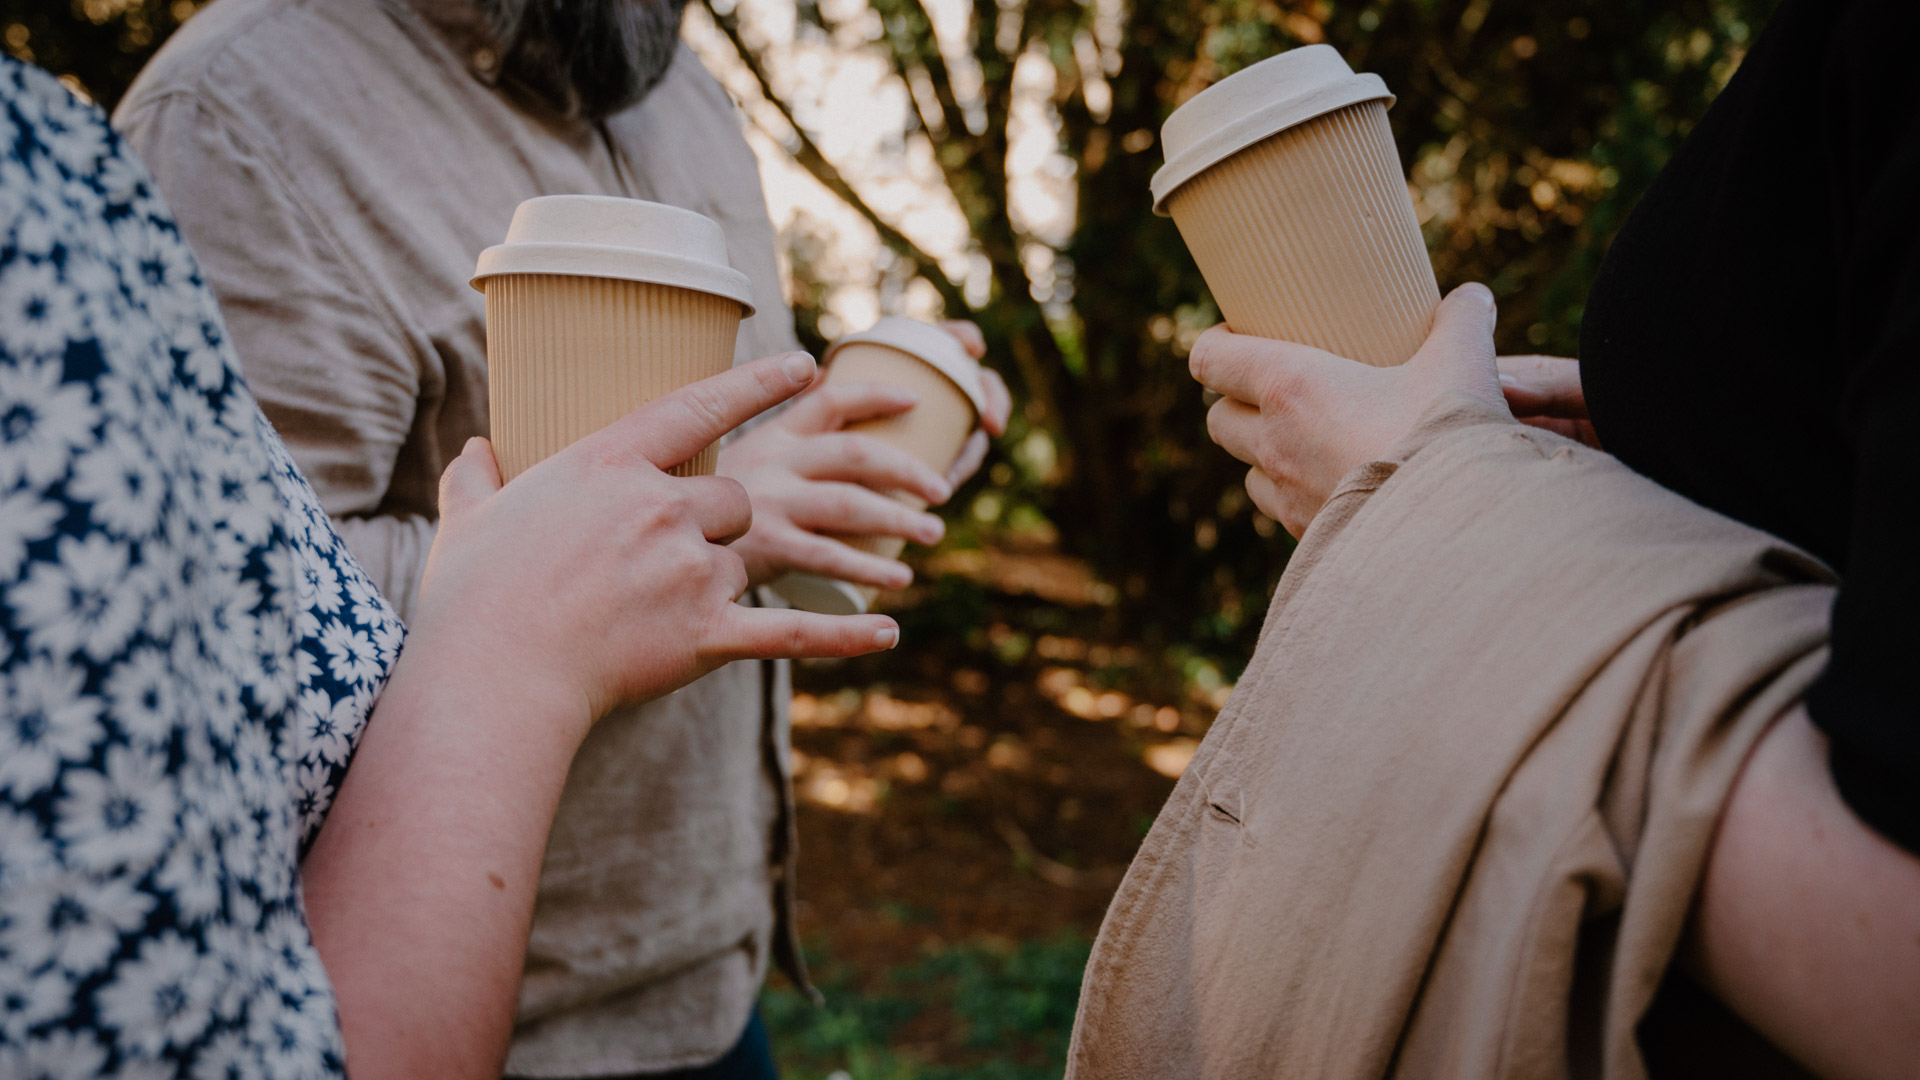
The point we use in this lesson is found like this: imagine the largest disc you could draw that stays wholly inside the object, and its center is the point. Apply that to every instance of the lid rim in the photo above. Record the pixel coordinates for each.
(900, 333)
(567, 259)
(1262, 123)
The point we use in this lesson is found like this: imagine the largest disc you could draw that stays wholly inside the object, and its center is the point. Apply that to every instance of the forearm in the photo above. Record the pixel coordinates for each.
(1808, 923)
(420, 888)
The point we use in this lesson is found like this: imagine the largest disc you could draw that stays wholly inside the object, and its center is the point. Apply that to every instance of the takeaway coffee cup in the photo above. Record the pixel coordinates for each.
(596, 306)
(1285, 184)
(928, 361)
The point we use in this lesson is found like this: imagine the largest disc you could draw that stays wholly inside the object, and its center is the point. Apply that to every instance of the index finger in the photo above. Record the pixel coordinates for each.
(968, 334)
(747, 633)
(999, 402)
(1240, 366)
(670, 430)
(1543, 386)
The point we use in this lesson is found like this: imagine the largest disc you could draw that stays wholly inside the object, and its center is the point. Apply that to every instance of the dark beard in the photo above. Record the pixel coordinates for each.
(584, 59)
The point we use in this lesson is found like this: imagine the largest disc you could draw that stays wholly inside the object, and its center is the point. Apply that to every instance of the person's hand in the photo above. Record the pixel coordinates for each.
(1545, 392)
(1304, 418)
(999, 404)
(597, 576)
(811, 481)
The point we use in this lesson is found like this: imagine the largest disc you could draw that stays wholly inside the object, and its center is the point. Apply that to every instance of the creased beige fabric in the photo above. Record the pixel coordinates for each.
(1451, 822)
(338, 165)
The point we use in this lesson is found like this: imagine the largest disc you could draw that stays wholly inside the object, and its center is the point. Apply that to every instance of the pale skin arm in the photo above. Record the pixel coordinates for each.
(594, 580)
(1807, 924)
(810, 480)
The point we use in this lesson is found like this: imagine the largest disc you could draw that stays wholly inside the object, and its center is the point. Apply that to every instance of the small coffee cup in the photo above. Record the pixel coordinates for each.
(596, 306)
(1286, 186)
(930, 362)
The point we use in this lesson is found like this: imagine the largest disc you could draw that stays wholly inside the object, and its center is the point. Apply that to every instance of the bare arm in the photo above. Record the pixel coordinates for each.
(594, 580)
(1808, 922)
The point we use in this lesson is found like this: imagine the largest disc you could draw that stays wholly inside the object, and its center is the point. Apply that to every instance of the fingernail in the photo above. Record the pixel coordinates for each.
(942, 492)
(1481, 295)
(1508, 380)
(931, 529)
(798, 366)
(886, 639)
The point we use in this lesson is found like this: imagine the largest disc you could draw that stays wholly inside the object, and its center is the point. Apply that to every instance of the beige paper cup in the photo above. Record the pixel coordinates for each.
(1286, 186)
(928, 361)
(596, 306)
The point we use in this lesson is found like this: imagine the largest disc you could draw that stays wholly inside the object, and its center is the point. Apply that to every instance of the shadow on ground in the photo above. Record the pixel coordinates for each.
(968, 804)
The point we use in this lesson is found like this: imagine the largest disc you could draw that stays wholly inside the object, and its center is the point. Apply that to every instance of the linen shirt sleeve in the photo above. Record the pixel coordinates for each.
(1867, 701)
(326, 358)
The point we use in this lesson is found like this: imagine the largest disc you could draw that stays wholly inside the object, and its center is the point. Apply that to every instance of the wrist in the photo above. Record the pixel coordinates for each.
(497, 681)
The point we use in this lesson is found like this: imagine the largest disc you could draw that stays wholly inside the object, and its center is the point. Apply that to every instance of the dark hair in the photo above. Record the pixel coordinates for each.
(584, 59)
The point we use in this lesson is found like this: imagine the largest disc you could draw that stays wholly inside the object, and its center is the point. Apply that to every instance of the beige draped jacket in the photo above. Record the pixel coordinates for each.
(1452, 820)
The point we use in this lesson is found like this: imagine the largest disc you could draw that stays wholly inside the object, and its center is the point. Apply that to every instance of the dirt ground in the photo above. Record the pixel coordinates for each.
(987, 784)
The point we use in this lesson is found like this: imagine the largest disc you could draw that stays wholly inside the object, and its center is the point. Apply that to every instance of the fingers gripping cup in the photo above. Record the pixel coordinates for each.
(928, 361)
(1285, 184)
(596, 306)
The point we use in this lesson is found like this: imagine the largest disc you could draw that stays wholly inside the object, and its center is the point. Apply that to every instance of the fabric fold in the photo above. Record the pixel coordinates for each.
(1451, 822)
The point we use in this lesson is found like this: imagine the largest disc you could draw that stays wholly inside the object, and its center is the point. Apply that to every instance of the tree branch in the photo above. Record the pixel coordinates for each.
(810, 158)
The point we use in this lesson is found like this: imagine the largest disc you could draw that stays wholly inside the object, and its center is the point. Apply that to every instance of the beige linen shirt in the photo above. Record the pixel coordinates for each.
(1451, 822)
(338, 165)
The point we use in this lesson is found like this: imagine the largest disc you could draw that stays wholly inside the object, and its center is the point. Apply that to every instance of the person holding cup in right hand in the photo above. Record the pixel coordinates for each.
(1551, 762)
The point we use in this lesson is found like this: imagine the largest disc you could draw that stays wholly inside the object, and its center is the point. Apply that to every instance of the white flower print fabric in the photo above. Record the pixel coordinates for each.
(187, 652)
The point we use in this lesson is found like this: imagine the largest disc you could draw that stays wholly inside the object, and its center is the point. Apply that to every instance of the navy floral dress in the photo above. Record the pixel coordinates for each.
(187, 652)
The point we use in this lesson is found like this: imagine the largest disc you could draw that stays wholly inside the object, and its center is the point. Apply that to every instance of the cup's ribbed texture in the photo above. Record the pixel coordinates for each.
(566, 356)
(935, 430)
(1310, 236)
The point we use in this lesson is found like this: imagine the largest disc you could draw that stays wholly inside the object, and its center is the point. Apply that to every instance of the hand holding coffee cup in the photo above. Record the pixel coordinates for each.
(605, 579)
(952, 395)
(1285, 184)
(596, 306)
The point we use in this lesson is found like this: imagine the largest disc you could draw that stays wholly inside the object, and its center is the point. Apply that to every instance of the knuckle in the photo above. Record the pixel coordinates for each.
(706, 403)
(859, 451)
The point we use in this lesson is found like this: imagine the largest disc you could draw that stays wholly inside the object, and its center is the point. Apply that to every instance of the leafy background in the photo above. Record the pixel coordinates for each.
(969, 801)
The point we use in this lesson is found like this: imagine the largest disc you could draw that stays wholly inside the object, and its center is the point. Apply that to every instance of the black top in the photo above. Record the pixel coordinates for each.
(1753, 339)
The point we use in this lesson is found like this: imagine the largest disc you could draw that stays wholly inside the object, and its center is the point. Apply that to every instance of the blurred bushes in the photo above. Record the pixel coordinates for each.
(1528, 130)
(97, 46)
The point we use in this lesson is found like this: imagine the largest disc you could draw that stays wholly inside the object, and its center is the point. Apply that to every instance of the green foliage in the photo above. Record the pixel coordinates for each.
(97, 45)
(1528, 131)
(1009, 1008)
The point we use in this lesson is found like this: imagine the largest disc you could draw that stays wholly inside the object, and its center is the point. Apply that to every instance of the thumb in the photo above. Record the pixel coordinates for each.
(470, 479)
(1461, 341)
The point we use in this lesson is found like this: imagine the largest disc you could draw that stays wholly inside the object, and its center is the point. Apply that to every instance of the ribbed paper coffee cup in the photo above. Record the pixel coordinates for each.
(1286, 186)
(596, 306)
(928, 361)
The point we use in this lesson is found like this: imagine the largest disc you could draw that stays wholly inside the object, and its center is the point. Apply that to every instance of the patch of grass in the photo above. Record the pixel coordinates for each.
(969, 1012)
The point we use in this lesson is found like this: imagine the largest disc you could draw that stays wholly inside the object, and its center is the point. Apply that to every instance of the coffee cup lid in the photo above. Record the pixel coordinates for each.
(629, 239)
(926, 342)
(1263, 100)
